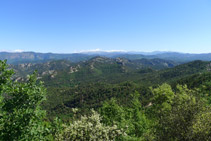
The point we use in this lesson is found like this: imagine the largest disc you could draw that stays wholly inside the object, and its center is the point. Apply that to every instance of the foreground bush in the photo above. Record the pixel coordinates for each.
(89, 128)
(21, 117)
(181, 115)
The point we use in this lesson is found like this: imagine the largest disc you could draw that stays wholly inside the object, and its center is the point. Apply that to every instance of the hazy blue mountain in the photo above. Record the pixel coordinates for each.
(30, 57)
(184, 57)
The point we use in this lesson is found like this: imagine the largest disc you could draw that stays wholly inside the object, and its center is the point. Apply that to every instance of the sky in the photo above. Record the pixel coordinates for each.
(68, 26)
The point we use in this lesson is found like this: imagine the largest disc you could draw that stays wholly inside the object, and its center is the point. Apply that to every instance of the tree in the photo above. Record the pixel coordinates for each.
(21, 114)
(112, 112)
(201, 128)
(162, 100)
(176, 121)
(131, 118)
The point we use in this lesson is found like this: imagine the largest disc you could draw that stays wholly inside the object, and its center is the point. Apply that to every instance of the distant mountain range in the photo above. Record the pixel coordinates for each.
(30, 57)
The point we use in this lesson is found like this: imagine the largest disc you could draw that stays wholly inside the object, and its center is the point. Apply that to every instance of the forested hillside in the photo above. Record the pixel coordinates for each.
(97, 69)
(106, 99)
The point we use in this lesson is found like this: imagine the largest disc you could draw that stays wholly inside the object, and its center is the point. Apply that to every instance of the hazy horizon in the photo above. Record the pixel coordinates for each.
(106, 51)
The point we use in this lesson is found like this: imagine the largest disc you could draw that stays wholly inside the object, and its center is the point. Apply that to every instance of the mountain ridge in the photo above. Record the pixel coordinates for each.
(24, 57)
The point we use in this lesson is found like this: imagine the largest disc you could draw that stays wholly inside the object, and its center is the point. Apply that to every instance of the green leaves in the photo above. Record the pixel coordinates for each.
(179, 115)
(21, 115)
(201, 129)
(132, 118)
(162, 99)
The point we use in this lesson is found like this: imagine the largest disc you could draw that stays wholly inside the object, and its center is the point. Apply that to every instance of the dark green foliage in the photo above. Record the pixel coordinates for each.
(91, 96)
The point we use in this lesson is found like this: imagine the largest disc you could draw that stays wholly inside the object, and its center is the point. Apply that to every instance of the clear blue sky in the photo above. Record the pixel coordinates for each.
(66, 26)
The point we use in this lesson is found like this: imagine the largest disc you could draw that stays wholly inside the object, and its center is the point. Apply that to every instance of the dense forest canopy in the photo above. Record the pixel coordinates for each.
(106, 99)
